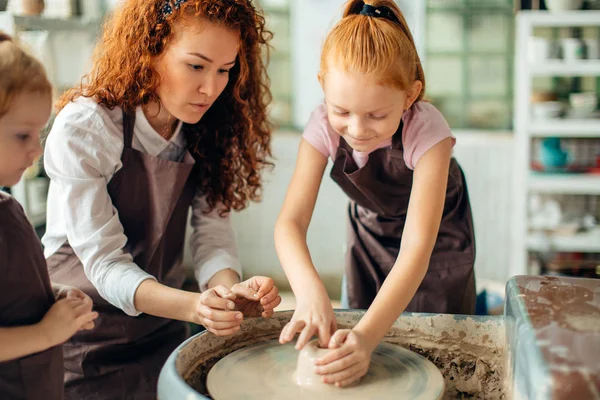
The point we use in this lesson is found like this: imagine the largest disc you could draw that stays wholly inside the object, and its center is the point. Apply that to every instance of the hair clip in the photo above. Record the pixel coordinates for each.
(168, 8)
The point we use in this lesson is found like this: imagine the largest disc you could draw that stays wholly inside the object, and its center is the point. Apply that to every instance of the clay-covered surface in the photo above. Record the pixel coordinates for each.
(564, 314)
(470, 352)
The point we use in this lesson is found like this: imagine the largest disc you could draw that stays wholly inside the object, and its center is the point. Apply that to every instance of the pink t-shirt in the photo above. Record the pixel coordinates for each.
(424, 127)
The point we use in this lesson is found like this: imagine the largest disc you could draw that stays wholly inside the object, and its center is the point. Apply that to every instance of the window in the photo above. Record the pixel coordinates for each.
(469, 53)
(277, 14)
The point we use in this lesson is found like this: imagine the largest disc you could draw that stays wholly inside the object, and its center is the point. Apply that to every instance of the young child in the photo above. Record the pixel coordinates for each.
(411, 243)
(33, 325)
(172, 116)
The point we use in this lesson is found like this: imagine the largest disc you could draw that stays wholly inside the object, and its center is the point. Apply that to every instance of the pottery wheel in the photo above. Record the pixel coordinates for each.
(268, 371)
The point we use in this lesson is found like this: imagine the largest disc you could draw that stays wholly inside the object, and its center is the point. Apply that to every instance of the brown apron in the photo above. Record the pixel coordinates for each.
(122, 356)
(379, 194)
(25, 297)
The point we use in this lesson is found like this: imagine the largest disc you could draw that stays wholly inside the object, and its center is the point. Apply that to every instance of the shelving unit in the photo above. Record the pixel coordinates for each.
(527, 128)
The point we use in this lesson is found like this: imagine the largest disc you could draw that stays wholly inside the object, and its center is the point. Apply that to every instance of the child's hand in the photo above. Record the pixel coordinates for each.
(65, 291)
(257, 296)
(312, 316)
(215, 309)
(349, 361)
(66, 317)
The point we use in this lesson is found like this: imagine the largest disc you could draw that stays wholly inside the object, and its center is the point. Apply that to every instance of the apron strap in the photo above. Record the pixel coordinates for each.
(128, 124)
(397, 138)
(344, 145)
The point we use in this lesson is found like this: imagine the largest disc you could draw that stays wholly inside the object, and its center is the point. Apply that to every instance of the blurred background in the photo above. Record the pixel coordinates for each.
(518, 82)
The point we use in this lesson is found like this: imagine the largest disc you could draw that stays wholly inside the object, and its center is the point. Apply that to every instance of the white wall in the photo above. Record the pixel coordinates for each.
(327, 232)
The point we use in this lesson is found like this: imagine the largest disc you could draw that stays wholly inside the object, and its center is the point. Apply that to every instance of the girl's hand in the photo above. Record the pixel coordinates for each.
(66, 292)
(312, 316)
(66, 317)
(349, 361)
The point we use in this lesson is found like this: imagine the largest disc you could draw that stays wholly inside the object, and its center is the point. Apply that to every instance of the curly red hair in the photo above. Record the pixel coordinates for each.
(231, 142)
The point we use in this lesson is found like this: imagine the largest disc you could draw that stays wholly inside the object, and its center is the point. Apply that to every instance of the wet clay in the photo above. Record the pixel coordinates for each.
(565, 315)
(274, 371)
(469, 352)
(305, 375)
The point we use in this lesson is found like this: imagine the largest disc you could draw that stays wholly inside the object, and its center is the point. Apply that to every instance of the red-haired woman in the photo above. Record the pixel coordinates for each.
(172, 116)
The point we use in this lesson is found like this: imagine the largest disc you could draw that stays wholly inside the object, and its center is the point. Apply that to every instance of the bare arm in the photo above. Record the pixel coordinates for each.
(163, 301)
(225, 277)
(314, 313)
(21, 341)
(420, 233)
(292, 225)
(62, 320)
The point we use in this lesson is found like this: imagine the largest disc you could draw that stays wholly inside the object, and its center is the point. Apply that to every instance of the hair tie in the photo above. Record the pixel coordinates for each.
(378, 12)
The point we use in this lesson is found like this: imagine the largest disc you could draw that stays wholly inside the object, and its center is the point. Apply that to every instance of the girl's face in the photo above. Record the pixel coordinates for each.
(20, 131)
(194, 68)
(363, 112)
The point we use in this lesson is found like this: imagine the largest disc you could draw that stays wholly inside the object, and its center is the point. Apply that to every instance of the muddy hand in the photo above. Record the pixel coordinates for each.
(215, 309)
(313, 316)
(257, 296)
(349, 360)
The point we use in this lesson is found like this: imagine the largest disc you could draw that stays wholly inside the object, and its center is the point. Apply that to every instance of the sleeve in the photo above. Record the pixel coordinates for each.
(212, 242)
(425, 127)
(316, 131)
(81, 156)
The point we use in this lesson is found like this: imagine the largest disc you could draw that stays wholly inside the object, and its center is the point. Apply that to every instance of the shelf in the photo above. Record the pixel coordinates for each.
(576, 128)
(560, 19)
(566, 68)
(41, 23)
(565, 183)
(586, 242)
(528, 182)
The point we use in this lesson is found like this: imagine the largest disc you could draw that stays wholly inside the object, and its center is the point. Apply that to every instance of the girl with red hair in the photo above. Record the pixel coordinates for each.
(411, 243)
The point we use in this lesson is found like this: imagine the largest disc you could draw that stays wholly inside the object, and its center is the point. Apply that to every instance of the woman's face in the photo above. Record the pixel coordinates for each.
(194, 68)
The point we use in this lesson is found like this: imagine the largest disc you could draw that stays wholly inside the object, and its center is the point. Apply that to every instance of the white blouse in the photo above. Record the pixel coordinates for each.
(82, 153)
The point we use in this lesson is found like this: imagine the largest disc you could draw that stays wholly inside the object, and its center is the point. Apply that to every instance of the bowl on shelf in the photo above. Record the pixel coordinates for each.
(547, 109)
(583, 105)
(564, 5)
